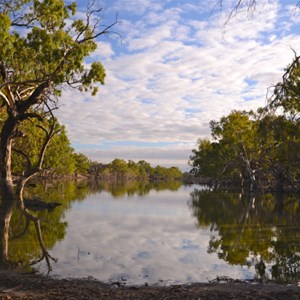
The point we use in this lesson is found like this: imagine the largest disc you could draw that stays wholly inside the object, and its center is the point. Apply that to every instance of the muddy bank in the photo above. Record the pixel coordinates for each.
(35, 287)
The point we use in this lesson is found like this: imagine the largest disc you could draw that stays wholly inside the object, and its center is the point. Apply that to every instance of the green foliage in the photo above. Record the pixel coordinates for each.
(280, 138)
(206, 159)
(121, 169)
(162, 172)
(53, 48)
(82, 163)
(59, 157)
(261, 150)
(286, 94)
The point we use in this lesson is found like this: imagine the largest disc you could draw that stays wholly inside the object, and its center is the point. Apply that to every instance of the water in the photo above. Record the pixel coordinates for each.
(137, 234)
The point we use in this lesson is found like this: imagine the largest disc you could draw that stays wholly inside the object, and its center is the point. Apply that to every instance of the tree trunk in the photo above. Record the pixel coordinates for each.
(251, 176)
(6, 139)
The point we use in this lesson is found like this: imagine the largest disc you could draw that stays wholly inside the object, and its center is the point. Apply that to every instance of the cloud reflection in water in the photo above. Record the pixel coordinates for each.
(138, 239)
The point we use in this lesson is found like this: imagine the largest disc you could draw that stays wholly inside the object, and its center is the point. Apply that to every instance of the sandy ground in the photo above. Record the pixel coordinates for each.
(31, 286)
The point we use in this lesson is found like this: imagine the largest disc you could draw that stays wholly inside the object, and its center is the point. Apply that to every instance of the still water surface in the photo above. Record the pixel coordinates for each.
(170, 235)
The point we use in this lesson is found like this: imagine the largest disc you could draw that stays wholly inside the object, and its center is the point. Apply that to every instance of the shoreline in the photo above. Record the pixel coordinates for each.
(17, 285)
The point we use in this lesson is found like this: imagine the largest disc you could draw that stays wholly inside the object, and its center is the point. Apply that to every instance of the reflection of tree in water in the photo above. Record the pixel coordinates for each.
(8, 199)
(27, 236)
(120, 188)
(261, 231)
(24, 244)
(6, 210)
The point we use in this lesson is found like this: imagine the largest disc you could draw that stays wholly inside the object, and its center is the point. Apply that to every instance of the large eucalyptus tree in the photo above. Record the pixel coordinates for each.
(43, 47)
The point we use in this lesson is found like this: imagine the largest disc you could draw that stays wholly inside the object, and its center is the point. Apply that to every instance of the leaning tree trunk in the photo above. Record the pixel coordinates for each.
(6, 138)
(250, 171)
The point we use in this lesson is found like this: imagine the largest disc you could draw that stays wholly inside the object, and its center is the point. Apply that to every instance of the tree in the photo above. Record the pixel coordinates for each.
(237, 132)
(36, 65)
(160, 172)
(145, 168)
(42, 50)
(59, 157)
(175, 173)
(207, 160)
(262, 149)
(119, 167)
(82, 163)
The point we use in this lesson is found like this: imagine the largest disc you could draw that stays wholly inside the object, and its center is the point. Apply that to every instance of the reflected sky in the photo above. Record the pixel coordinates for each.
(153, 239)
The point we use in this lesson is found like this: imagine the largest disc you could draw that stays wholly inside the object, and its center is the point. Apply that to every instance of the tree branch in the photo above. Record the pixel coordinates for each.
(34, 97)
(27, 24)
(30, 115)
(279, 88)
(104, 31)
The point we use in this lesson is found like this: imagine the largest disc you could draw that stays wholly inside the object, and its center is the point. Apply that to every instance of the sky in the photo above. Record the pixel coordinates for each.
(172, 67)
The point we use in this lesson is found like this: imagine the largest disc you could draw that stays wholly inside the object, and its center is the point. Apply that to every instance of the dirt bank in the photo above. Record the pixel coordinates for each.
(35, 287)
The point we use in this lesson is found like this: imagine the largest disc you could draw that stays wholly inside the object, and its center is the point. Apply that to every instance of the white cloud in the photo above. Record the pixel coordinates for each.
(174, 72)
(104, 51)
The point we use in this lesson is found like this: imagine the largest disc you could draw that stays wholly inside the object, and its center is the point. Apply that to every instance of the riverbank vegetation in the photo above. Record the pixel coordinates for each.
(120, 169)
(258, 150)
(61, 159)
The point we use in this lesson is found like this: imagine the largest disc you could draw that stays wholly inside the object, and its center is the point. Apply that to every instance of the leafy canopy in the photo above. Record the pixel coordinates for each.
(44, 42)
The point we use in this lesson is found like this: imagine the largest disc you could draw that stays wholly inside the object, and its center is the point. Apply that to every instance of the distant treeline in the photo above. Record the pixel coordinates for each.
(61, 158)
(120, 169)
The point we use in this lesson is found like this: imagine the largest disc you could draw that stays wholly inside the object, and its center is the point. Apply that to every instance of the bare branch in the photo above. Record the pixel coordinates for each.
(26, 24)
(251, 5)
(34, 97)
(106, 30)
(49, 135)
(291, 67)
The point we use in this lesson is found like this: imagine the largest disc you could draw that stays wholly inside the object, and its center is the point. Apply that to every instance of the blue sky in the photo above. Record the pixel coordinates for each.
(173, 69)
